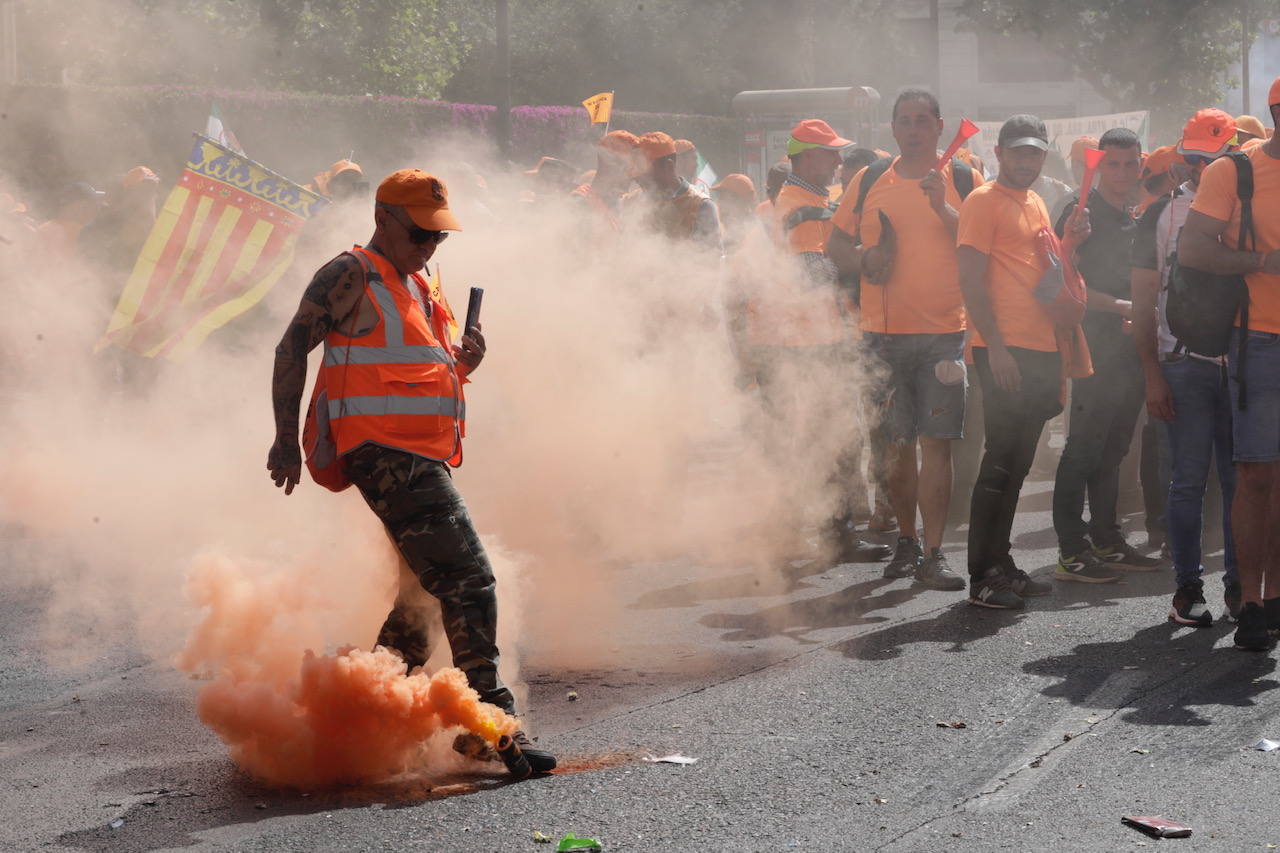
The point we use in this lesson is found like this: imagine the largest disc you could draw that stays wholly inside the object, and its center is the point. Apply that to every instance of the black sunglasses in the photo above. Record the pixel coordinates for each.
(421, 236)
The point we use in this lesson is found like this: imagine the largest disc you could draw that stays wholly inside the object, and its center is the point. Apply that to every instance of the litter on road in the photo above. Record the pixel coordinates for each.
(675, 758)
(1266, 745)
(1158, 827)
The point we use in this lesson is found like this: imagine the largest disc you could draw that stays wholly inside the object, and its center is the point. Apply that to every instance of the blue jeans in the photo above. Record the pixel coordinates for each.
(924, 392)
(1199, 434)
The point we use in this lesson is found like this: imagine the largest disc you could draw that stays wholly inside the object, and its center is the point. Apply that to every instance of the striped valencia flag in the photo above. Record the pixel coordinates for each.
(224, 237)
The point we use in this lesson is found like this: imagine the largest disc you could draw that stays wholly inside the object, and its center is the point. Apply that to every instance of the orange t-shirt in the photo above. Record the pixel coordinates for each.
(922, 295)
(809, 236)
(1216, 197)
(1003, 224)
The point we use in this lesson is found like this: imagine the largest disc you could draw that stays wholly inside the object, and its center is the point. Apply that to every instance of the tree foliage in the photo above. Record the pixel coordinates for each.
(1171, 57)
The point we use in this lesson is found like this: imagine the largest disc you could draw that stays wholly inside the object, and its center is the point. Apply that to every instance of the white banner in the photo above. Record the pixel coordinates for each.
(1062, 132)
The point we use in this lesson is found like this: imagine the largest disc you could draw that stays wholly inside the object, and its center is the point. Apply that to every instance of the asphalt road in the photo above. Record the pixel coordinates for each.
(813, 711)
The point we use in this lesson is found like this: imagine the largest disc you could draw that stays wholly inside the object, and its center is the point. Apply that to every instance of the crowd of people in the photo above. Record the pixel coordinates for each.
(952, 281)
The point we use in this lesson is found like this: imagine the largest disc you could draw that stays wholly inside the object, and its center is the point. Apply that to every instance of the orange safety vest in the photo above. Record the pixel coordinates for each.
(803, 313)
(397, 385)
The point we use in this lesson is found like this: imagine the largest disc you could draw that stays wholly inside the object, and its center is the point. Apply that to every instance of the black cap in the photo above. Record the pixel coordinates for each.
(1024, 130)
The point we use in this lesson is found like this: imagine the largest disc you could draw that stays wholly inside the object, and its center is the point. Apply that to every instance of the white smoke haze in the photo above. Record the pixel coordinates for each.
(607, 426)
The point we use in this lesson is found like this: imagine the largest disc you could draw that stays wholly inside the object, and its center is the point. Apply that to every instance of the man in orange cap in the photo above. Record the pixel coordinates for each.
(113, 240)
(615, 167)
(388, 415)
(1162, 170)
(820, 321)
(687, 162)
(341, 181)
(1185, 391)
(1210, 241)
(670, 204)
(735, 197)
(896, 227)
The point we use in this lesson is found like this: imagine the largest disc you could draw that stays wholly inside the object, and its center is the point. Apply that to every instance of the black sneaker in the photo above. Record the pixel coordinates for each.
(994, 591)
(1084, 567)
(1271, 610)
(540, 761)
(1231, 600)
(1189, 607)
(1122, 555)
(1021, 582)
(934, 573)
(1251, 630)
(907, 558)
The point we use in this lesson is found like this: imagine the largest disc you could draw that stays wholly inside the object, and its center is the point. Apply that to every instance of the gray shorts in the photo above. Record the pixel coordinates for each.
(923, 390)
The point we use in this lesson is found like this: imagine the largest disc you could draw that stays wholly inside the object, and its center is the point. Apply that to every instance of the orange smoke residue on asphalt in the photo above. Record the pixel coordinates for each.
(351, 717)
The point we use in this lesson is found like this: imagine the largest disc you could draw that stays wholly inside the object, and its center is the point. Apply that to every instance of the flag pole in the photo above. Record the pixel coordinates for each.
(612, 92)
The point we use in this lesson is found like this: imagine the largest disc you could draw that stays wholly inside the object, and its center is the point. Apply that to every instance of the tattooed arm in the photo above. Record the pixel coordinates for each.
(332, 296)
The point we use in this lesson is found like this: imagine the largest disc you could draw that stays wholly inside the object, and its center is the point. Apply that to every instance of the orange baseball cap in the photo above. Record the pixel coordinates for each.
(683, 146)
(138, 175)
(737, 184)
(815, 133)
(1210, 132)
(619, 141)
(655, 145)
(1273, 97)
(423, 196)
(1079, 146)
(1159, 161)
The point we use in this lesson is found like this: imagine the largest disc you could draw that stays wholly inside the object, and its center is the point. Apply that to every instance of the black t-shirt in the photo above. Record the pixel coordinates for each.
(1104, 260)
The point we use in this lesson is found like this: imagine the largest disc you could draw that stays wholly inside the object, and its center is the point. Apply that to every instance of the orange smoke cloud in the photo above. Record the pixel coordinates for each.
(346, 718)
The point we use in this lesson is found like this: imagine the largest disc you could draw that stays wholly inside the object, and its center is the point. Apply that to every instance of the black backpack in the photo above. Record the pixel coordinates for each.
(961, 174)
(1201, 307)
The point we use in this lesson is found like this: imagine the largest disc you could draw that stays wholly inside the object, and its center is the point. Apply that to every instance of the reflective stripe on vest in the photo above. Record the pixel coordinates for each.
(397, 385)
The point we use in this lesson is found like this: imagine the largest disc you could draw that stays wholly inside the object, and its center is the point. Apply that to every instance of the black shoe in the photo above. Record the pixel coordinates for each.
(907, 558)
(540, 761)
(1085, 567)
(994, 591)
(1271, 610)
(1189, 607)
(934, 573)
(1251, 630)
(1021, 582)
(1231, 600)
(1122, 555)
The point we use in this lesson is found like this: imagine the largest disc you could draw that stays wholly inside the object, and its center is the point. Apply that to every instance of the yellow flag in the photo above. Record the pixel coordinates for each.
(599, 107)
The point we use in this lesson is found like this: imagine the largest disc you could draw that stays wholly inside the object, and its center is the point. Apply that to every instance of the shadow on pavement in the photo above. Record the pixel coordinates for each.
(749, 584)
(958, 626)
(1216, 676)
(795, 619)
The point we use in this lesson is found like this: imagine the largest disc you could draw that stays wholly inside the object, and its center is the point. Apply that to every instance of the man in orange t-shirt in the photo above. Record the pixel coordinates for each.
(1015, 350)
(912, 321)
(1209, 242)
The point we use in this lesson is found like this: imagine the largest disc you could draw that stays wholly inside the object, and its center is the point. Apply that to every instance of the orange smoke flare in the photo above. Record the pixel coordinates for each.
(353, 717)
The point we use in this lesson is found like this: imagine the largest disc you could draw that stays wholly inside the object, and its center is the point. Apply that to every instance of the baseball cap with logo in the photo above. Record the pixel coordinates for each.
(815, 133)
(1023, 130)
(1210, 132)
(423, 197)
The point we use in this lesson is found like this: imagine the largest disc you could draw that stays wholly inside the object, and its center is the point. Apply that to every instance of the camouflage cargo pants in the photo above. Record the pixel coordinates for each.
(424, 514)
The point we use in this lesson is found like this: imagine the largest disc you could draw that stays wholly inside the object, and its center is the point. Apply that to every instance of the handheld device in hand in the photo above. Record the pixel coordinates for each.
(473, 309)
